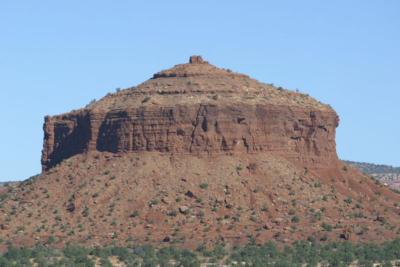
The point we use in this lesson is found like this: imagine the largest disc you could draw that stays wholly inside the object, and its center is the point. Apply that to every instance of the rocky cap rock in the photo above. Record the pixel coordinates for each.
(201, 82)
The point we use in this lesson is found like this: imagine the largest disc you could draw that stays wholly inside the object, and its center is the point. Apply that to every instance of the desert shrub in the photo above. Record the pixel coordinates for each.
(317, 184)
(4, 262)
(348, 200)
(85, 212)
(3, 197)
(51, 240)
(148, 255)
(326, 227)
(154, 202)
(217, 252)
(264, 208)
(181, 257)
(172, 213)
(105, 262)
(75, 251)
(124, 255)
(134, 214)
(239, 168)
(256, 255)
(146, 99)
(22, 254)
(317, 216)
(295, 219)
(188, 258)
(203, 185)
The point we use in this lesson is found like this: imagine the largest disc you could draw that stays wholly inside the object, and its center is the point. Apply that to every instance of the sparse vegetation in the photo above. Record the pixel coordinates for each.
(348, 200)
(301, 253)
(146, 99)
(317, 184)
(85, 212)
(203, 185)
(295, 219)
(172, 213)
(134, 214)
(326, 227)
(154, 202)
(3, 197)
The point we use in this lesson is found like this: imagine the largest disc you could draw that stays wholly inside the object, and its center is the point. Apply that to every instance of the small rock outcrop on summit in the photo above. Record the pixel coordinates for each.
(194, 156)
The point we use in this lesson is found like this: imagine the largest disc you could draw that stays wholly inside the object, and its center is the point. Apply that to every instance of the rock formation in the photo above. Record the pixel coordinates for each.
(194, 156)
(196, 108)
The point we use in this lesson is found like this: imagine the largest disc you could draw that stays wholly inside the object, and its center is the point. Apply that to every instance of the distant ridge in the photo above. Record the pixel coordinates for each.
(384, 173)
(370, 168)
(8, 183)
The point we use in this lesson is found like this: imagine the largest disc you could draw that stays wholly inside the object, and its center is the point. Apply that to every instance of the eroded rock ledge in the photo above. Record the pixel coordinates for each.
(294, 133)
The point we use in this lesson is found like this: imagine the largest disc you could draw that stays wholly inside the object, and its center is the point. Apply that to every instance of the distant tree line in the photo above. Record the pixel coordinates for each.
(300, 253)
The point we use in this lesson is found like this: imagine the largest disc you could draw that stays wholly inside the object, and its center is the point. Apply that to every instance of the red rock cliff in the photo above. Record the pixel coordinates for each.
(198, 109)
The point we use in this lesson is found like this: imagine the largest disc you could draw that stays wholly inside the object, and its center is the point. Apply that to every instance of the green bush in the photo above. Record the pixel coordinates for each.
(326, 227)
(348, 200)
(203, 185)
(295, 219)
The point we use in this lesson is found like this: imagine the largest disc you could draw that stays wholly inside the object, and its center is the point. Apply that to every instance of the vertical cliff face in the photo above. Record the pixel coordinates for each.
(198, 109)
(64, 137)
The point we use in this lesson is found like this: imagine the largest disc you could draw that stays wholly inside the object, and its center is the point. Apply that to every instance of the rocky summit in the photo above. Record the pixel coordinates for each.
(194, 156)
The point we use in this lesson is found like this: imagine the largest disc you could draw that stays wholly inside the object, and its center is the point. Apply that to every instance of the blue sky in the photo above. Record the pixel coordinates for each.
(56, 56)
